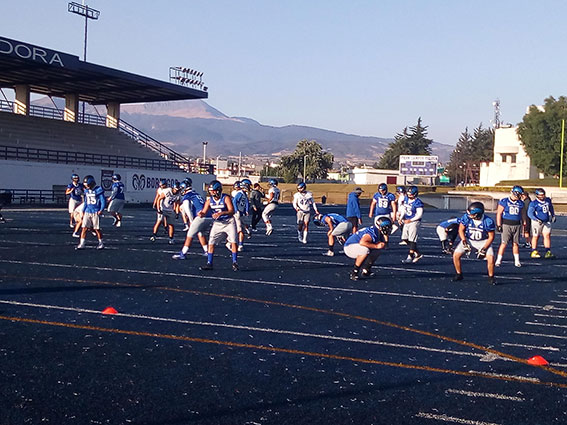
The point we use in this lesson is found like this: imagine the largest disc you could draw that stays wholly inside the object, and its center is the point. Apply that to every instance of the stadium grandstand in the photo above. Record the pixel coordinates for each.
(40, 147)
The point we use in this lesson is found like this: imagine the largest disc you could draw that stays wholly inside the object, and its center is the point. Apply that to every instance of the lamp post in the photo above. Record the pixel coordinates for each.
(304, 168)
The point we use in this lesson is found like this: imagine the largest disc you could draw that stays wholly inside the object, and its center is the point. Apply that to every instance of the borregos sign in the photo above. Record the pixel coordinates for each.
(29, 52)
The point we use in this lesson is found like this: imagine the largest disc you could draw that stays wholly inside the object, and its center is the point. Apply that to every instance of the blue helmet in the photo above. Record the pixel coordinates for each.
(246, 184)
(89, 182)
(317, 220)
(400, 189)
(540, 193)
(383, 224)
(183, 186)
(177, 185)
(517, 191)
(413, 191)
(215, 188)
(476, 210)
(188, 182)
(162, 183)
(236, 184)
(273, 182)
(74, 176)
(301, 187)
(116, 177)
(382, 188)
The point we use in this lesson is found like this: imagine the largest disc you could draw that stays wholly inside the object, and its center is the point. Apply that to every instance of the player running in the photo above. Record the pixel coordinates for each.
(365, 245)
(241, 211)
(542, 215)
(92, 209)
(273, 197)
(224, 226)
(191, 205)
(476, 230)
(411, 220)
(75, 191)
(116, 200)
(339, 227)
(164, 202)
(510, 218)
(447, 231)
(303, 202)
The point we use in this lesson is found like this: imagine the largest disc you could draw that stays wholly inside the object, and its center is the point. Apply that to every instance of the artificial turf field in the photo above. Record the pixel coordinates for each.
(288, 339)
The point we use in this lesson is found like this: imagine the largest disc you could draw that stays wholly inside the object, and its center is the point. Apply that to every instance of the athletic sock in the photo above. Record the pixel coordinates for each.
(499, 258)
(205, 250)
(234, 257)
(184, 250)
(516, 258)
(209, 258)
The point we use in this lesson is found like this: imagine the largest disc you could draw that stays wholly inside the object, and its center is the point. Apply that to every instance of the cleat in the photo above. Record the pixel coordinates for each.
(408, 260)
(240, 248)
(94, 233)
(80, 246)
(115, 220)
(492, 280)
(457, 277)
(100, 246)
(304, 240)
(152, 238)
(416, 258)
(341, 240)
(548, 255)
(228, 246)
(269, 231)
(497, 264)
(535, 254)
(185, 228)
(367, 273)
(528, 245)
(403, 243)
(76, 235)
(517, 264)
(235, 267)
(179, 256)
(119, 223)
(353, 275)
(207, 266)
(171, 241)
(72, 226)
(329, 254)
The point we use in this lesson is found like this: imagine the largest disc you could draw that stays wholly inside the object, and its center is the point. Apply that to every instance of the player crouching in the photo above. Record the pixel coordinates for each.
(476, 230)
(365, 245)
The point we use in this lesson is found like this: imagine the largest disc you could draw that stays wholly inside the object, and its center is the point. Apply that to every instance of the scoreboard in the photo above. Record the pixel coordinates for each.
(418, 165)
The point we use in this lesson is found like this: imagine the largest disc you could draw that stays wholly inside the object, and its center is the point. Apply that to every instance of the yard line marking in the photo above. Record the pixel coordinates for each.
(550, 315)
(445, 418)
(471, 373)
(247, 328)
(535, 347)
(558, 302)
(542, 335)
(487, 395)
(550, 325)
(293, 260)
(285, 284)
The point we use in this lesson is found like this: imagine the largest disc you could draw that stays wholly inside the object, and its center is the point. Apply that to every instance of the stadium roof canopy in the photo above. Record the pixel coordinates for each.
(56, 74)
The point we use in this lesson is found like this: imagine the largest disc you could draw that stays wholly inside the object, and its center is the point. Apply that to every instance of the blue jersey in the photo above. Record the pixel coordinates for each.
(477, 230)
(196, 202)
(410, 207)
(353, 205)
(94, 200)
(375, 235)
(383, 203)
(76, 193)
(541, 210)
(335, 218)
(220, 205)
(512, 210)
(449, 223)
(240, 202)
(117, 191)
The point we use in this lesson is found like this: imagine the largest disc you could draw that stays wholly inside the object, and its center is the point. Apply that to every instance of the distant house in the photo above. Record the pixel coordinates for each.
(511, 162)
(365, 175)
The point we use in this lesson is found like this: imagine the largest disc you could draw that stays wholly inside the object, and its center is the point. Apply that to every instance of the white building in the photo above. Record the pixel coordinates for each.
(510, 160)
(375, 176)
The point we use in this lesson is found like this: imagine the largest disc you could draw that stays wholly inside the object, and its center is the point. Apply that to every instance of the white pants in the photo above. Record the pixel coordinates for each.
(222, 230)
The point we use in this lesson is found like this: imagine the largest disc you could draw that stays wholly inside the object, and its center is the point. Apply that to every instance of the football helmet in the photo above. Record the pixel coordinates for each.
(162, 183)
(89, 182)
(215, 188)
(317, 220)
(517, 191)
(188, 182)
(383, 224)
(540, 193)
(301, 187)
(273, 182)
(475, 210)
(400, 189)
(74, 177)
(413, 191)
(246, 184)
(236, 184)
(383, 188)
(116, 177)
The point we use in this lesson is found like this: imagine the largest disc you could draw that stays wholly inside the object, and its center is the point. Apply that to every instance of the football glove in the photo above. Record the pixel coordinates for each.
(553, 219)
(499, 229)
(467, 247)
(481, 254)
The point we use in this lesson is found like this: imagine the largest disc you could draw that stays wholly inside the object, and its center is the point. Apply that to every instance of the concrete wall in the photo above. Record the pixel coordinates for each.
(140, 185)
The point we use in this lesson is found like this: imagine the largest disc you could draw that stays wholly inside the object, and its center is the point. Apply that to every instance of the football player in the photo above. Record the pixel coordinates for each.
(75, 191)
(447, 231)
(93, 206)
(476, 230)
(339, 227)
(510, 218)
(353, 214)
(542, 215)
(273, 198)
(303, 202)
(241, 210)
(411, 221)
(116, 200)
(383, 203)
(164, 202)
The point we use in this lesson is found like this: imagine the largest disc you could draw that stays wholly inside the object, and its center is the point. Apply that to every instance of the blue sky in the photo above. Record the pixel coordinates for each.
(360, 66)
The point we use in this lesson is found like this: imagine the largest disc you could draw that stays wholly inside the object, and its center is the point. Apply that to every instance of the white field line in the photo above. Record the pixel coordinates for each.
(246, 328)
(550, 315)
(531, 347)
(549, 325)
(558, 302)
(541, 335)
(284, 284)
(445, 418)
(500, 375)
(487, 395)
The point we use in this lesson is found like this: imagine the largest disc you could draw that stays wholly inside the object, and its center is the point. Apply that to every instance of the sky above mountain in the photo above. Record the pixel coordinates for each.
(362, 67)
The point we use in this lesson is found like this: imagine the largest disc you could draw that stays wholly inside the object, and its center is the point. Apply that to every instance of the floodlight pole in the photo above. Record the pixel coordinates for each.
(88, 13)
(562, 144)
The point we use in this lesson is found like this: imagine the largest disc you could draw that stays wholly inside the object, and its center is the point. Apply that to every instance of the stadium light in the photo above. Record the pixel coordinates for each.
(187, 77)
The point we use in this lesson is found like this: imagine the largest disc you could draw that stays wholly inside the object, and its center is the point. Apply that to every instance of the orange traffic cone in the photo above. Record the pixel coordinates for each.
(538, 361)
(109, 310)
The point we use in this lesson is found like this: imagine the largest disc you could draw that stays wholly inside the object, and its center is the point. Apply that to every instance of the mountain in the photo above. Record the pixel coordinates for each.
(184, 125)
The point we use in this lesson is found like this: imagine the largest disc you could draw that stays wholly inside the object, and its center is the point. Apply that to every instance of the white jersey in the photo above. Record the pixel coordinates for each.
(303, 201)
(276, 191)
(168, 200)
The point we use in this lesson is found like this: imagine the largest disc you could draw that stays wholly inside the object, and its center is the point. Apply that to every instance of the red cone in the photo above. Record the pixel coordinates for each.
(538, 361)
(109, 310)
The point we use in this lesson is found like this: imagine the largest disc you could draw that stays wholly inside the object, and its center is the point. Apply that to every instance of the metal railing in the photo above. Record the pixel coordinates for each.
(139, 136)
(27, 196)
(64, 157)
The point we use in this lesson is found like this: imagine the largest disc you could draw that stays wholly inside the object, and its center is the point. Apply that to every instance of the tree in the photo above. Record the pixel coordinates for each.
(412, 142)
(309, 153)
(540, 134)
(471, 150)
